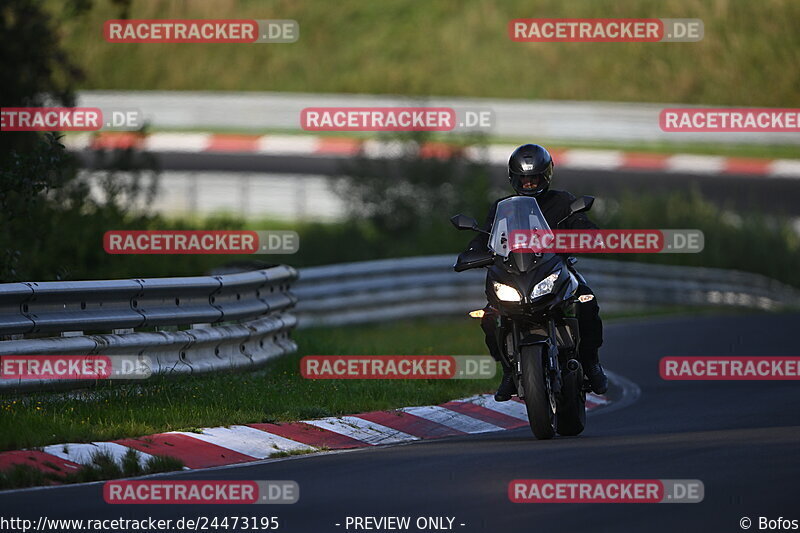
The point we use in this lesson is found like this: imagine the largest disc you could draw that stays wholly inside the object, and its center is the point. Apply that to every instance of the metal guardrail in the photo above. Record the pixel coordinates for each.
(373, 291)
(182, 325)
(241, 320)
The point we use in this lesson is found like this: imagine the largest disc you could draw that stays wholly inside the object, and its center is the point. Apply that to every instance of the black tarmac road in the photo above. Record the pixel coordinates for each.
(779, 195)
(741, 439)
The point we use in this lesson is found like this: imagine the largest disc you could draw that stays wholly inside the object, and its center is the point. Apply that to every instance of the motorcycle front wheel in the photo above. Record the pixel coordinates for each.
(539, 399)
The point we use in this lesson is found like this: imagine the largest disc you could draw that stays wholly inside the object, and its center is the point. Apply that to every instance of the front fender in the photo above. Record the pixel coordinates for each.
(534, 338)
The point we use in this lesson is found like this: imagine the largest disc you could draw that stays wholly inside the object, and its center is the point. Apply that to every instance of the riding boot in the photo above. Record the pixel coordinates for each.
(593, 370)
(507, 386)
(591, 330)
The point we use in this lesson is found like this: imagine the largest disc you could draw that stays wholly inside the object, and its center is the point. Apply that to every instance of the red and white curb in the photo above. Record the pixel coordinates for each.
(221, 446)
(310, 145)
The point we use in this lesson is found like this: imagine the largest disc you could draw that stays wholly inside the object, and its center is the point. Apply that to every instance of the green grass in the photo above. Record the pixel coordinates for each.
(22, 475)
(102, 467)
(748, 56)
(291, 453)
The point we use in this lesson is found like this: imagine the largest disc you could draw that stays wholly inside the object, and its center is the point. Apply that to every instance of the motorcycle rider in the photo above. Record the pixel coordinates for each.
(530, 171)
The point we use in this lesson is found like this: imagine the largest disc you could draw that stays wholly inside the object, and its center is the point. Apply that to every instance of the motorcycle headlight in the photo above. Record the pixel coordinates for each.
(545, 286)
(506, 292)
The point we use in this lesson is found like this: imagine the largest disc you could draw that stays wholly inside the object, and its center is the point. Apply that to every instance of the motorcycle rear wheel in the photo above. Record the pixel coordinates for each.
(572, 405)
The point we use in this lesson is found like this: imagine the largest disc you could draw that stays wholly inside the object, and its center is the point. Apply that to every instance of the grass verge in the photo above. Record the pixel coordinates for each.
(446, 48)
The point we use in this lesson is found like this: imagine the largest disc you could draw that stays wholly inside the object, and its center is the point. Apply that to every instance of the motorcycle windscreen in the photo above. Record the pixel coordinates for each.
(516, 218)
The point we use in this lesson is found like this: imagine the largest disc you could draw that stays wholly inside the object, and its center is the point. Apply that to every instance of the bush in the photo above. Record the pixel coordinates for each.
(735, 239)
(51, 222)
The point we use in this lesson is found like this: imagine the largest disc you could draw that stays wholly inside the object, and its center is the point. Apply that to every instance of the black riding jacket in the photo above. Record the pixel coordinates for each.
(554, 205)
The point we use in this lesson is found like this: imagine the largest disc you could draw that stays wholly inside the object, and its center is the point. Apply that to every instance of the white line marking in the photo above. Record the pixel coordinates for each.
(452, 419)
(785, 168)
(496, 154)
(383, 149)
(177, 142)
(79, 141)
(362, 430)
(512, 409)
(247, 440)
(604, 159)
(287, 144)
(694, 164)
(83, 453)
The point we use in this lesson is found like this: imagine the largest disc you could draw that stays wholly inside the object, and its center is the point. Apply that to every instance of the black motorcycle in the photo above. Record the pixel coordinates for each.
(532, 297)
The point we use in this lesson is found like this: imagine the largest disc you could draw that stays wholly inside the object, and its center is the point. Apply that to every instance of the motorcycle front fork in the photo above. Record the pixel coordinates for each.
(512, 355)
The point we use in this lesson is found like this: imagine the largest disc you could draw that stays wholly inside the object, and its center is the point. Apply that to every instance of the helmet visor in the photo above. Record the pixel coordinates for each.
(529, 184)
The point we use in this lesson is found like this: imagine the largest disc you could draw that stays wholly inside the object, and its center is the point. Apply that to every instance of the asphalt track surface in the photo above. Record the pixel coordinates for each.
(776, 195)
(740, 438)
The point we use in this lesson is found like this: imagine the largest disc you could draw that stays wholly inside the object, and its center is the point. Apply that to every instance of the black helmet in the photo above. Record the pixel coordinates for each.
(530, 169)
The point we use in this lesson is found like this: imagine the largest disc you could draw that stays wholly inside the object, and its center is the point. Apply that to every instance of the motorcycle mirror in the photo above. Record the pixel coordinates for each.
(579, 205)
(464, 222)
(584, 203)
